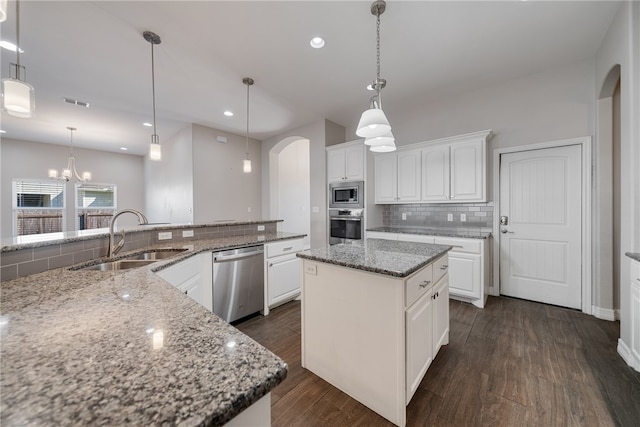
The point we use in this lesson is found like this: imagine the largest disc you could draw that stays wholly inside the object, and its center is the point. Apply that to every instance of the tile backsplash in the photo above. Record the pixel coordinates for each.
(431, 215)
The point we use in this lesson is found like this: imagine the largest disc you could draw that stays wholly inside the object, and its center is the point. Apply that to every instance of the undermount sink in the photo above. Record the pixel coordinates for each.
(134, 260)
(155, 255)
(122, 264)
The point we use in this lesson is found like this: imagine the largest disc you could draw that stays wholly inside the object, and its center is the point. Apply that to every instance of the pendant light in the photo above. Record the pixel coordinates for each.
(70, 171)
(373, 124)
(246, 164)
(18, 98)
(3, 10)
(155, 150)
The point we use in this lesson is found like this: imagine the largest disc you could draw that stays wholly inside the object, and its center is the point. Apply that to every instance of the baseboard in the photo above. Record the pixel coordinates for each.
(603, 313)
(625, 352)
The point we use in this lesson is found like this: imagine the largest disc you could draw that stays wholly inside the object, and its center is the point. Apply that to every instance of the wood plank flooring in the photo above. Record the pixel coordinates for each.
(513, 363)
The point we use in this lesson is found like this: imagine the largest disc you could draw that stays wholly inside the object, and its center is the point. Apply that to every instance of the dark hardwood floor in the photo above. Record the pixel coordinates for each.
(513, 363)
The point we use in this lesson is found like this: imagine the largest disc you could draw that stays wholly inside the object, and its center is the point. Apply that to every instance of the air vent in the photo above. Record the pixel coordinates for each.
(76, 102)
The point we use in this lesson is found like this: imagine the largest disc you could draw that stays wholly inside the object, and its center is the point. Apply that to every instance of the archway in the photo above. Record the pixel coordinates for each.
(289, 178)
(608, 174)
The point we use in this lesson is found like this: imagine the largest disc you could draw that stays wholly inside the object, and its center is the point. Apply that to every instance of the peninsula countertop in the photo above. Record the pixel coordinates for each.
(126, 348)
(441, 232)
(388, 257)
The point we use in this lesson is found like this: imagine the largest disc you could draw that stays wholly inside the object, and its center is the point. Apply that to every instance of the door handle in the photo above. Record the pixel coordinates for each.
(504, 230)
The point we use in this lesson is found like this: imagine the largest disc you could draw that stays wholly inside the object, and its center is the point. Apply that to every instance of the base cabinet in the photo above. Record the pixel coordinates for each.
(464, 276)
(192, 277)
(418, 321)
(635, 314)
(282, 272)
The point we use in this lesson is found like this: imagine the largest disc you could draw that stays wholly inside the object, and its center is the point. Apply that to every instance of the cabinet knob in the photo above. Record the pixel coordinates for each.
(425, 283)
(270, 264)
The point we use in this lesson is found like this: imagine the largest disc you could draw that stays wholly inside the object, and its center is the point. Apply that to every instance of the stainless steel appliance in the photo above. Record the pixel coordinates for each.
(238, 282)
(346, 195)
(345, 225)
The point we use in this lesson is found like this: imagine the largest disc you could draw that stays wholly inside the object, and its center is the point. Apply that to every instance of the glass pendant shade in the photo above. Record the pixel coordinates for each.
(3, 10)
(386, 148)
(373, 123)
(385, 139)
(246, 166)
(155, 151)
(18, 98)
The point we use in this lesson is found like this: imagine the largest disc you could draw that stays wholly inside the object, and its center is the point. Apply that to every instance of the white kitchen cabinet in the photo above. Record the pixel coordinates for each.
(282, 272)
(468, 171)
(397, 177)
(440, 295)
(635, 314)
(382, 235)
(192, 277)
(386, 178)
(419, 342)
(435, 173)
(345, 162)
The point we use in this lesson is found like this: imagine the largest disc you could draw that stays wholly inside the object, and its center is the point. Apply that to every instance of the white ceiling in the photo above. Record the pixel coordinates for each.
(94, 51)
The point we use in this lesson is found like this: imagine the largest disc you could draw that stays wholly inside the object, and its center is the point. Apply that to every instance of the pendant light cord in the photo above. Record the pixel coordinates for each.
(378, 82)
(18, 38)
(248, 84)
(153, 95)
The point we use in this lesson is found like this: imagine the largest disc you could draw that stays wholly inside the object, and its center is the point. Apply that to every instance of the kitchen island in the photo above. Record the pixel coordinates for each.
(127, 348)
(374, 315)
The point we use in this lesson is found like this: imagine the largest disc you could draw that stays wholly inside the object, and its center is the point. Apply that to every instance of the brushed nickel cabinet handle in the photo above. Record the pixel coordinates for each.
(287, 249)
(425, 283)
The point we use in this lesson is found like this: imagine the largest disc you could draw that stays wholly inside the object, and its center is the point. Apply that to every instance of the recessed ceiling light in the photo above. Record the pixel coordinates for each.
(147, 124)
(228, 113)
(9, 46)
(317, 42)
(124, 148)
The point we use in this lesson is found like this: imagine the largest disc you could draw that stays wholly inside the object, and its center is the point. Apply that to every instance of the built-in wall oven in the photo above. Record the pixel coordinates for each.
(345, 225)
(346, 195)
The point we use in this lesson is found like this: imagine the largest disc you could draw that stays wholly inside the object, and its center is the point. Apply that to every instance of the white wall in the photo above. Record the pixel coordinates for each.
(621, 46)
(316, 133)
(220, 189)
(294, 199)
(32, 160)
(169, 182)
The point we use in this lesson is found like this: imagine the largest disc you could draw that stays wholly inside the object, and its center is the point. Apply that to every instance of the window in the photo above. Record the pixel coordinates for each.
(95, 205)
(38, 206)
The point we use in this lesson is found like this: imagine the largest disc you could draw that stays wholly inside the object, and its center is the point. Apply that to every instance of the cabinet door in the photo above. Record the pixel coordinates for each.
(440, 314)
(283, 278)
(409, 176)
(435, 173)
(419, 329)
(335, 165)
(354, 162)
(467, 171)
(386, 178)
(464, 274)
(192, 277)
(635, 313)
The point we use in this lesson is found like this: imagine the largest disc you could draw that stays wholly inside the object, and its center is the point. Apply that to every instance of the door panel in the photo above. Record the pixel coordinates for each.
(540, 247)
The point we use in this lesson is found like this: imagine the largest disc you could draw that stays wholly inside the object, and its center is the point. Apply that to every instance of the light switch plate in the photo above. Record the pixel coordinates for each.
(311, 269)
(166, 235)
(449, 217)
(463, 217)
(187, 233)
(261, 228)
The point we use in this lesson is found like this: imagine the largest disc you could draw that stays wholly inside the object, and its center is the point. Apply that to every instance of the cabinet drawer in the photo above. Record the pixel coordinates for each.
(461, 245)
(284, 247)
(418, 284)
(440, 268)
(381, 235)
(415, 238)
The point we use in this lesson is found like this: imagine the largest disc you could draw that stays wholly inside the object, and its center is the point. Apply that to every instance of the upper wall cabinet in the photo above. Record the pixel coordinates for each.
(448, 170)
(345, 162)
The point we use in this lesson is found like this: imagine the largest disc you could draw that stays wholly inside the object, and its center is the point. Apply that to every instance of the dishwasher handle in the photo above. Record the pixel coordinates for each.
(218, 258)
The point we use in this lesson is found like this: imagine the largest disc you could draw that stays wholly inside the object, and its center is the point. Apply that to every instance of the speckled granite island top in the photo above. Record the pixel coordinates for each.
(389, 257)
(466, 234)
(125, 348)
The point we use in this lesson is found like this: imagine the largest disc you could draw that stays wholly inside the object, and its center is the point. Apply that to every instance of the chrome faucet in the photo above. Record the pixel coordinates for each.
(114, 249)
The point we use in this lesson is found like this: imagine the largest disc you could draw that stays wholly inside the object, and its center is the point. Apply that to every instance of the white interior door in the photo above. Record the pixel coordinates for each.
(540, 246)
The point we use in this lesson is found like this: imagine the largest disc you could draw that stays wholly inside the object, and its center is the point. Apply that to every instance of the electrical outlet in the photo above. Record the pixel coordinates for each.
(261, 228)
(167, 235)
(260, 238)
(315, 209)
(404, 216)
(187, 233)
(449, 217)
(463, 217)
(311, 269)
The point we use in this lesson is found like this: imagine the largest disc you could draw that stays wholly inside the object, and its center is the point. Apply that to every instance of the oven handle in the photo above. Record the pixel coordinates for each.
(344, 219)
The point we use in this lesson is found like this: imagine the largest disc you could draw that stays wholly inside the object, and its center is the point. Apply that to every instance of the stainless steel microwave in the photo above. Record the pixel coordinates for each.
(348, 195)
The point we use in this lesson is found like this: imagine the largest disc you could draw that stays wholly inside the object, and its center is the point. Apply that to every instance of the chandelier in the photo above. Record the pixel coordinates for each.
(70, 171)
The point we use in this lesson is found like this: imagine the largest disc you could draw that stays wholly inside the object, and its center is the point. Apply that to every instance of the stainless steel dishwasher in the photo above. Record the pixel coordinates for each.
(238, 282)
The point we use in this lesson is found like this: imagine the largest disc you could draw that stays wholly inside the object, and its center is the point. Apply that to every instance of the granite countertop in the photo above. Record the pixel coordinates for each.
(388, 257)
(125, 348)
(633, 255)
(38, 240)
(442, 232)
